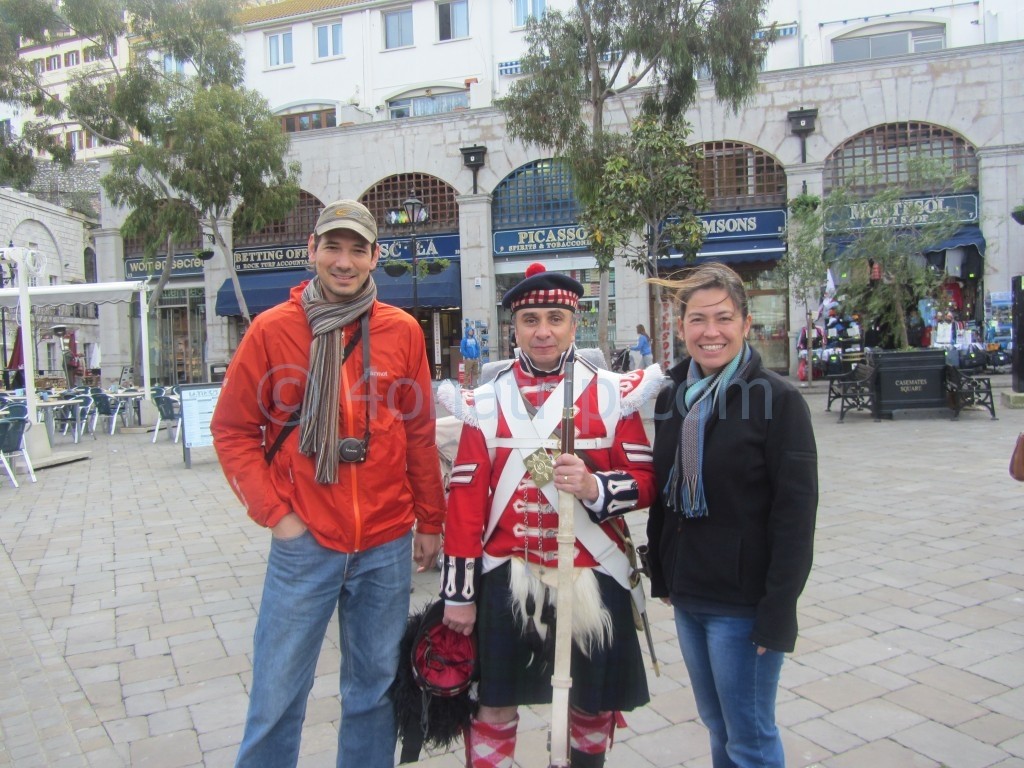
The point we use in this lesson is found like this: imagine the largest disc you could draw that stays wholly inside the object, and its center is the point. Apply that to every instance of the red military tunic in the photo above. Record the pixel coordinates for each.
(496, 510)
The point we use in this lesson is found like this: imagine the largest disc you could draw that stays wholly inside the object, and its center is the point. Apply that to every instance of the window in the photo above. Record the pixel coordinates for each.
(418, 106)
(328, 40)
(172, 66)
(97, 53)
(889, 43)
(293, 228)
(453, 20)
(309, 121)
(398, 28)
(538, 193)
(38, 66)
(738, 176)
(78, 140)
(279, 49)
(437, 195)
(878, 157)
(53, 62)
(71, 59)
(527, 9)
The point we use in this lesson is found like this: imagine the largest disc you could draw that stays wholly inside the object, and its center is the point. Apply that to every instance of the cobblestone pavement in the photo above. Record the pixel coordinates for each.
(129, 587)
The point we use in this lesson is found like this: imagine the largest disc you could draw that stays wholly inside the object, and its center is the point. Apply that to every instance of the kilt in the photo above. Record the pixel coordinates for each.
(610, 679)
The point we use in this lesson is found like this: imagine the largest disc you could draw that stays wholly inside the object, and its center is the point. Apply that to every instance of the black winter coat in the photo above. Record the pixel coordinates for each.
(752, 553)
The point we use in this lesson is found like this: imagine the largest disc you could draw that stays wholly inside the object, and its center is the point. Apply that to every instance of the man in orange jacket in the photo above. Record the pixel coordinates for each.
(349, 377)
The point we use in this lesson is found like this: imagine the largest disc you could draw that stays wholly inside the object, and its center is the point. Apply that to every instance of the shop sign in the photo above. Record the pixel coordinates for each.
(572, 237)
(185, 265)
(909, 212)
(263, 259)
(428, 246)
(743, 224)
(716, 226)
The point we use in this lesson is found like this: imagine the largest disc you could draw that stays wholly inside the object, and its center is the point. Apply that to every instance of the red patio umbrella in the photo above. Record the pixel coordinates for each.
(17, 361)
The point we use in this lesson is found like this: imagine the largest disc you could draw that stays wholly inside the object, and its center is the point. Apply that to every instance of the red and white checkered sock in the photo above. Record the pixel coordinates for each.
(491, 745)
(589, 733)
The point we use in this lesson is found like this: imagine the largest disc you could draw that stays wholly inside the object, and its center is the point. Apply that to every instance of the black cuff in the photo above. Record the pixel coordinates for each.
(621, 495)
(459, 579)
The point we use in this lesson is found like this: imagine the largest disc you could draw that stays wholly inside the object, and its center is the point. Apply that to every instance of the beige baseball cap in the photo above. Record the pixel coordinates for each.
(348, 214)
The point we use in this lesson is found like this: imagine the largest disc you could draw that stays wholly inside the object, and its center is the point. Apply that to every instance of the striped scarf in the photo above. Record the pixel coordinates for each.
(684, 491)
(318, 431)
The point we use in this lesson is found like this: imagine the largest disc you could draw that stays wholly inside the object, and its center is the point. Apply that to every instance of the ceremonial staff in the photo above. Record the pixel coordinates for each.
(561, 679)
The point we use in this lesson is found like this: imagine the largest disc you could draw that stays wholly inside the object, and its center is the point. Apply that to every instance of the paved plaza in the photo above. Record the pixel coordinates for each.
(129, 587)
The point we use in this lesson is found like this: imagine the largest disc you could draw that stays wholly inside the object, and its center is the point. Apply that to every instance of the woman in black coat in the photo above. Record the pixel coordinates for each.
(731, 535)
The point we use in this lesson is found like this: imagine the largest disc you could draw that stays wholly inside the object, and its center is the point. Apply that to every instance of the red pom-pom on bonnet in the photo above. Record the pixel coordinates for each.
(535, 269)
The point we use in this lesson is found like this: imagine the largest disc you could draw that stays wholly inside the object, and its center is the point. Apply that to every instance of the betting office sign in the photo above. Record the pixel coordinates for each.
(278, 257)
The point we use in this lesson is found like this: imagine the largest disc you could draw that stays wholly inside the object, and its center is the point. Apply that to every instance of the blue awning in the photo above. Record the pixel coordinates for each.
(969, 236)
(441, 290)
(965, 236)
(736, 251)
(262, 290)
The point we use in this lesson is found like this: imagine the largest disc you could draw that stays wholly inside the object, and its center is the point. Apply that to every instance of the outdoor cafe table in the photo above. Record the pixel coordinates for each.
(48, 407)
(131, 400)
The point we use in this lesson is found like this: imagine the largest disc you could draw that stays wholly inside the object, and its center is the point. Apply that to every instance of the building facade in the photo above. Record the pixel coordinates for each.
(386, 107)
(63, 240)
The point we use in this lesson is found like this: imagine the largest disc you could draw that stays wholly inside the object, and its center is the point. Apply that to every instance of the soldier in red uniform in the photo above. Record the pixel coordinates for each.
(501, 555)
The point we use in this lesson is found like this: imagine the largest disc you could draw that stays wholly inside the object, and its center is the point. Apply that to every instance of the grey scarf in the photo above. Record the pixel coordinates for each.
(318, 431)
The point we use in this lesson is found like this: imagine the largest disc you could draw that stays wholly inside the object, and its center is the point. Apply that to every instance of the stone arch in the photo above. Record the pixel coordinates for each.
(740, 176)
(295, 227)
(878, 156)
(539, 193)
(438, 196)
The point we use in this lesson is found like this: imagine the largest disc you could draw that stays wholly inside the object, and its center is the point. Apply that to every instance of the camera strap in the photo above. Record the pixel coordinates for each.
(293, 422)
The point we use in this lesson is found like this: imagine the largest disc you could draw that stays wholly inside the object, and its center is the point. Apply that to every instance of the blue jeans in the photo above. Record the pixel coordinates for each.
(304, 583)
(734, 688)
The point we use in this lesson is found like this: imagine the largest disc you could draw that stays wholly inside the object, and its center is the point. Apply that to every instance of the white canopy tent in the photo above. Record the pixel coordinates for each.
(23, 297)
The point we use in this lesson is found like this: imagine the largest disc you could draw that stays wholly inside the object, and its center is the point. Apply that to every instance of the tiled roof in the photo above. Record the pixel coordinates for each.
(289, 8)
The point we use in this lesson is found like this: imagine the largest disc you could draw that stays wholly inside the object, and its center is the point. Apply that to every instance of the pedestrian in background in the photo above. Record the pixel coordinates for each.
(341, 498)
(643, 348)
(731, 534)
(470, 349)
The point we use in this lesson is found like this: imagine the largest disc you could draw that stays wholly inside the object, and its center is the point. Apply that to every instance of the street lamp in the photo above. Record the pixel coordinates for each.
(412, 212)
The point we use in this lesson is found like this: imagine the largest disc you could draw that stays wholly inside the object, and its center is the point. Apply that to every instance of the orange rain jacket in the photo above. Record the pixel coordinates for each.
(373, 502)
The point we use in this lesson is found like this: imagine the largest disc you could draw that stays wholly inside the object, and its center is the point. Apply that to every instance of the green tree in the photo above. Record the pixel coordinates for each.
(893, 230)
(195, 145)
(804, 265)
(17, 169)
(649, 184)
(578, 62)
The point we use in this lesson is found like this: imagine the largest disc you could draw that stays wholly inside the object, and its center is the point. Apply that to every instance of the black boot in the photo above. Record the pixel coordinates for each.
(579, 759)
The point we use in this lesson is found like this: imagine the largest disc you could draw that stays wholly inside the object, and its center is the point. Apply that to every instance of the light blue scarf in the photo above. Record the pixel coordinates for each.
(684, 491)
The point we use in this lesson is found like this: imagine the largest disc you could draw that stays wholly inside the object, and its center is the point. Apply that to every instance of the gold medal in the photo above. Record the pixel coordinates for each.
(541, 467)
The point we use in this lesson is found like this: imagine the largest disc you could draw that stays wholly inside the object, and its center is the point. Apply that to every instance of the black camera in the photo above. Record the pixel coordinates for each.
(352, 450)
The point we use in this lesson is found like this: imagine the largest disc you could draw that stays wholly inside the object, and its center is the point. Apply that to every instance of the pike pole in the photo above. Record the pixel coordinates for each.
(561, 679)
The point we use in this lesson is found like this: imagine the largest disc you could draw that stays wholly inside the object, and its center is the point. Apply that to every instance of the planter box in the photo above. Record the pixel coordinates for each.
(909, 380)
